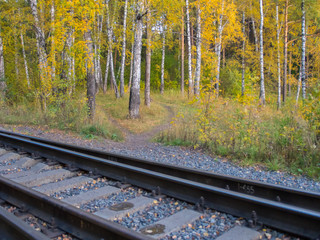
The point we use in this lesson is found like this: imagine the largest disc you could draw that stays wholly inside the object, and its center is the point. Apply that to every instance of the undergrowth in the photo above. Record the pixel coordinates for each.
(250, 133)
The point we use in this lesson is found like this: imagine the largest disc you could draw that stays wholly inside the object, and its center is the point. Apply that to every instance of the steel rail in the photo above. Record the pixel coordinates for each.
(11, 227)
(68, 218)
(296, 220)
(295, 197)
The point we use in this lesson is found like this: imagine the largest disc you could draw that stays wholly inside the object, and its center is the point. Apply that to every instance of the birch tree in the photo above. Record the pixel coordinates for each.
(262, 89)
(198, 46)
(182, 52)
(190, 89)
(303, 50)
(110, 55)
(123, 56)
(134, 100)
(2, 72)
(163, 57)
(147, 100)
(243, 53)
(25, 59)
(218, 49)
(91, 83)
(285, 51)
(278, 56)
(45, 77)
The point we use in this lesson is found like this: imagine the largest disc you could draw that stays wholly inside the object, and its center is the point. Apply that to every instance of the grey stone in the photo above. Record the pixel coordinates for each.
(91, 195)
(240, 233)
(138, 204)
(63, 185)
(33, 170)
(171, 224)
(44, 177)
(9, 157)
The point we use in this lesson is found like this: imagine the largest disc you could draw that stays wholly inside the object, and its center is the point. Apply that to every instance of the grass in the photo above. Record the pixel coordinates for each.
(156, 115)
(250, 134)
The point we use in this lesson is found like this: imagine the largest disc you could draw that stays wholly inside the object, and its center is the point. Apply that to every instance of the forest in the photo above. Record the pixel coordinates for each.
(242, 77)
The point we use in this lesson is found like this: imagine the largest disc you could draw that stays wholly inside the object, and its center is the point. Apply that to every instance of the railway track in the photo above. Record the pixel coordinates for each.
(287, 209)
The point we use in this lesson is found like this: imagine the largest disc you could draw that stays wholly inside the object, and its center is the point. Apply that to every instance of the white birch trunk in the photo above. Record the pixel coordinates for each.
(91, 83)
(182, 53)
(111, 63)
(147, 99)
(16, 52)
(134, 100)
(98, 71)
(303, 49)
(243, 53)
(25, 59)
(53, 49)
(285, 51)
(198, 46)
(218, 52)
(123, 55)
(278, 56)
(254, 30)
(105, 83)
(262, 89)
(2, 71)
(45, 77)
(299, 87)
(163, 59)
(191, 89)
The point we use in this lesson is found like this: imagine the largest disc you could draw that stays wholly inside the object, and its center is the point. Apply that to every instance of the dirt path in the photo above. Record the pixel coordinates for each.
(140, 139)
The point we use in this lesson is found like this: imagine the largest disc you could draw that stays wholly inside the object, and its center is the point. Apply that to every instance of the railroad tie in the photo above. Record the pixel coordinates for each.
(240, 233)
(124, 208)
(2, 151)
(33, 170)
(44, 177)
(51, 188)
(9, 157)
(23, 162)
(89, 196)
(171, 224)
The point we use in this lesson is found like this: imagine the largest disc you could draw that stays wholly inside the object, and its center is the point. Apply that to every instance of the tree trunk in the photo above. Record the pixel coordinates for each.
(98, 71)
(134, 101)
(110, 42)
(254, 30)
(2, 72)
(218, 52)
(163, 58)
(16, 53)
(105, 83)
(91, 83)
(45, 78)
(303, 49)
(123, 56)
(289, 74)
(113, 77)
(190, 90)
(198, 43)
(262, 90)
(243, 53)
(147, 100)
(285, 51)
(182, 53)
(25, 59)
(53, 46)
(278, 57)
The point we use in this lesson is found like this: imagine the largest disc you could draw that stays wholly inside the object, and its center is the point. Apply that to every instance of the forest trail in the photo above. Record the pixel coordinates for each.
(139, 139)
